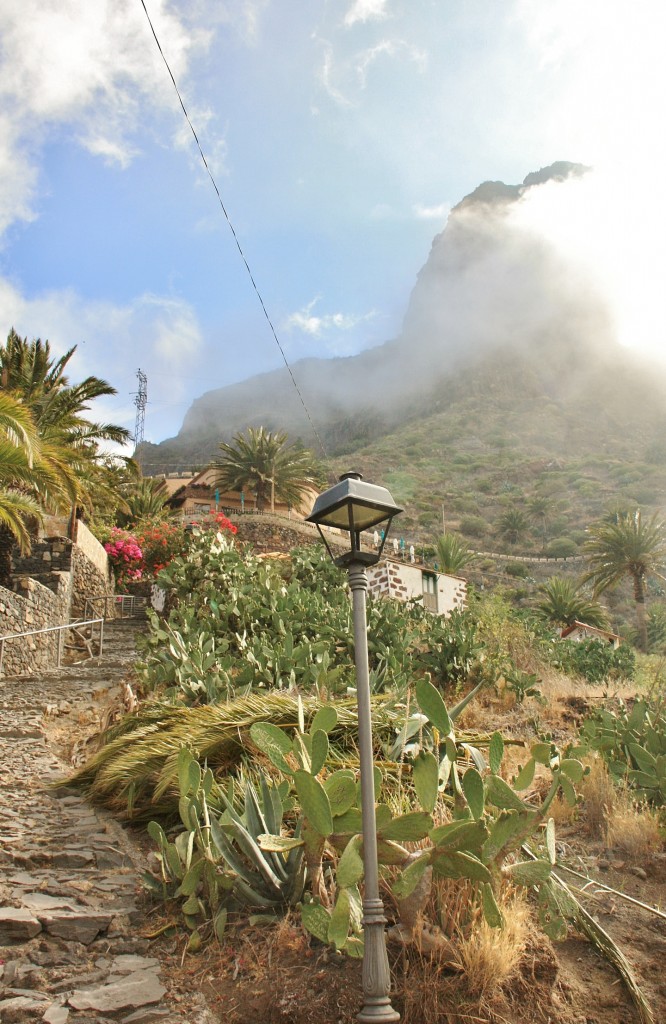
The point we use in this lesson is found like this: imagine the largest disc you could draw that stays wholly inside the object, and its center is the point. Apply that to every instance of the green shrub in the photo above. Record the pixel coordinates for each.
(595, 660)
(632, 741)
(473, 526)
(517, 569)
(561, 547)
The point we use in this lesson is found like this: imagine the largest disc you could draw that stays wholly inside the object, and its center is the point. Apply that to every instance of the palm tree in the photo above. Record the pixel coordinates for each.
(540, 509)
(626, 546)
(145, 498)
(30, 372)
(63, 469)
(266, 464)
(564, 604)
(512, 524)
(20, 460)
(452, 553)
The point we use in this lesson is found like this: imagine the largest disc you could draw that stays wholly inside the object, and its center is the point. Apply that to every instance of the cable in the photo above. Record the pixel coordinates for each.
(233, 232)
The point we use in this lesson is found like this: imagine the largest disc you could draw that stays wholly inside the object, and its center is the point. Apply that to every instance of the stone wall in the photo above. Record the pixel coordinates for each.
(50, 588)
(32, 606)
(88, 582)
(267, 532)
(404, 580)
(94, 551)
(47, 556)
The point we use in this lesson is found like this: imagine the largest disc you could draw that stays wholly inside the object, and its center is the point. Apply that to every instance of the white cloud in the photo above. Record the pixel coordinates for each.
(307, 322)
(326, 75)
(439, 212)
(388, 48)
(89, 66)
(160, 333)
(366, 10)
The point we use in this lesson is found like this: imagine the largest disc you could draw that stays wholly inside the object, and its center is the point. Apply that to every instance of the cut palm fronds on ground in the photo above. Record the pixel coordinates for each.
(615, 892)
(135, 772)
(583, 922)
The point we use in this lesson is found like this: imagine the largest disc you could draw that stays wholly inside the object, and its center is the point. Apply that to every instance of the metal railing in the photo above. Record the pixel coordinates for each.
(125, 604)
(56, 629)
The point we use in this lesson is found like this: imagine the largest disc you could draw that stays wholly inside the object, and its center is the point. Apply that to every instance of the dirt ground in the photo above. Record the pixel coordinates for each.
(277, 974)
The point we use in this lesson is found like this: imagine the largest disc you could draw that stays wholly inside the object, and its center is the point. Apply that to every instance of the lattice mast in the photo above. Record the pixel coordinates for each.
(140, 401)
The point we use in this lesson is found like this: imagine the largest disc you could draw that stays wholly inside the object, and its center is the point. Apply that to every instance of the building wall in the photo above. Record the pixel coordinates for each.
(404, 580)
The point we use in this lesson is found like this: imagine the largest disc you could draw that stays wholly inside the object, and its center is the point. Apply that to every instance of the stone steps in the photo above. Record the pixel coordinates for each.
(71, 948)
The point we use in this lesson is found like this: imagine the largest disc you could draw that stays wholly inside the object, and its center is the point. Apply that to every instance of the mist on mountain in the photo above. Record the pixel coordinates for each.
(495, 284)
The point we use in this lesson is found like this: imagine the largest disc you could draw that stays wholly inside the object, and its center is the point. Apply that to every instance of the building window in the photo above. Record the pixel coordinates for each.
(429, 583)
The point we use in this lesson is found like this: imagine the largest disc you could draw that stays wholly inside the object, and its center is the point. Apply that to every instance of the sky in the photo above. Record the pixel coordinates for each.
(339, 134)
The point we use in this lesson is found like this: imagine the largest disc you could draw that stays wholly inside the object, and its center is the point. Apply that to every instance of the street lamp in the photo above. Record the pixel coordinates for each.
(353, 506)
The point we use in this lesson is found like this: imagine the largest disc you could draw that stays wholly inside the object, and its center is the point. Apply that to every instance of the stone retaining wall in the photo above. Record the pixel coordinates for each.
(268, 532)
(88, 582)
(88, 544)
(50, 588)
(33, 606)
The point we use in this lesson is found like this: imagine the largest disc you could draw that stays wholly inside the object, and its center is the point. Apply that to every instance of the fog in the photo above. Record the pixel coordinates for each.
(560, 273)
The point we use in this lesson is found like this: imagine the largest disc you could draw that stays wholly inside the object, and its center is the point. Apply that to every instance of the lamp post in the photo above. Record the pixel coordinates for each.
(354, 506)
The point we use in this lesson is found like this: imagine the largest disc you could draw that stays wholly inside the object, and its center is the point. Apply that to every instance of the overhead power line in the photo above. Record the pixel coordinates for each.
(231, 228)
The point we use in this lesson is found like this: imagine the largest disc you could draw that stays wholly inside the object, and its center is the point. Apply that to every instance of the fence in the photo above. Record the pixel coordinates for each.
(56, 629)
(126, 606)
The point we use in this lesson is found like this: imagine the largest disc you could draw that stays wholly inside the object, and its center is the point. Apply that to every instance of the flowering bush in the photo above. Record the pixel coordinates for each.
(141, 555)
(126, 557)
(160, 541)
(215, 521)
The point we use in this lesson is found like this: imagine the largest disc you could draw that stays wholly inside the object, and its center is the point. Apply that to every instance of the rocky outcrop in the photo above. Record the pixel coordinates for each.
(486, 282)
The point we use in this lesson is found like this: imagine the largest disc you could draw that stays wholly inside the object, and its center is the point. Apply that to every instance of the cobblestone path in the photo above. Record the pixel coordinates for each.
(70, 929)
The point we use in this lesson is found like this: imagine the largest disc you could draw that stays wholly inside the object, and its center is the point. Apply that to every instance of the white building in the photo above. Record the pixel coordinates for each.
(404, 580)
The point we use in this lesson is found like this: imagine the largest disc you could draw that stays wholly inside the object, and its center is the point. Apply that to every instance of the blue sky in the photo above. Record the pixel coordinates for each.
(340, 133)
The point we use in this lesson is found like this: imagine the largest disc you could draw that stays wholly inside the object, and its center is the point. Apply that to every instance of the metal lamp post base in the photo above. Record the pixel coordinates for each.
(376, 974)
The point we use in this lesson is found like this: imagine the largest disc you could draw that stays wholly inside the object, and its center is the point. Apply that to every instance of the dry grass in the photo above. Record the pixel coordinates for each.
(613, 815)
(633, 828)
(490, 957)
(561, 812)
(599, 796)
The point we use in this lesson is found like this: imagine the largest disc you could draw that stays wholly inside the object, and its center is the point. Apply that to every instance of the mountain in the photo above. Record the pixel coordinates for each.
(506, 384)
(482, 275)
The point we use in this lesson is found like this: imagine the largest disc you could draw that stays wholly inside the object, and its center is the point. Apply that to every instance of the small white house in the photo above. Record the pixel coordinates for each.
(404, 580)
(578, 631)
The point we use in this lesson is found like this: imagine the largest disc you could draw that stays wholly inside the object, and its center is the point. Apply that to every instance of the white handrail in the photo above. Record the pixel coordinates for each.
(54, 629)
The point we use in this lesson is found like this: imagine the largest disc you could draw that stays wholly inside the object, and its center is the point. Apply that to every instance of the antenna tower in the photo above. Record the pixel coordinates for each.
(140, 401)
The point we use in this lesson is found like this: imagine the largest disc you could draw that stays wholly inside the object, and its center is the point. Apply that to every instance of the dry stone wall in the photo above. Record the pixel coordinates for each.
(50, 588)
(267, 532)
(89, 582)
(34, 606)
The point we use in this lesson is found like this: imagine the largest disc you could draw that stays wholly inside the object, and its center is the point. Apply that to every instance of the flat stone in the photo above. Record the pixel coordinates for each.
(75, 926)
(73, 858)
(41, 901)
(56, 1014)
(29, 993)
(135, 990)
(127, 963)
(26, 879)
(17, 925)
(149, 1015)
(110, 858)
(18, 1003)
